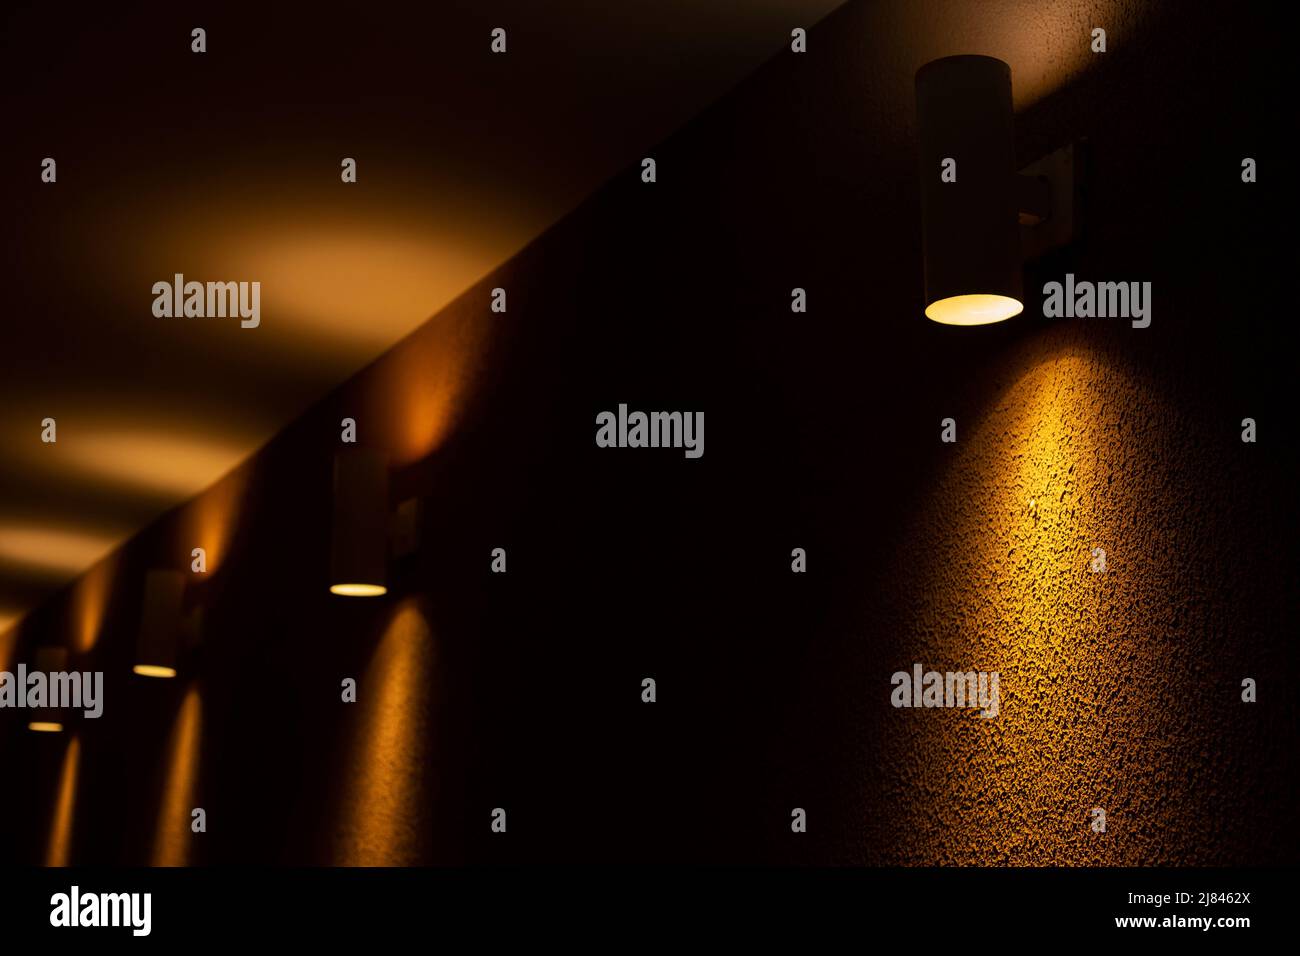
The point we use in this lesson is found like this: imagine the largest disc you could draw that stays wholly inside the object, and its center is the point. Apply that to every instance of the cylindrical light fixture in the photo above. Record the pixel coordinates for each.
(969, 215)
(359, 547)
(49, 661)
(160, 623)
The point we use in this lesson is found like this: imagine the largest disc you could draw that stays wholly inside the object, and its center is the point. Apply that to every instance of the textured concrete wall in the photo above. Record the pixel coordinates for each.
(1119, 689)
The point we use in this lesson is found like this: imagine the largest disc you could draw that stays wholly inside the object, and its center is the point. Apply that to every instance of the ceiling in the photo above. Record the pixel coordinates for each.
(225, 166)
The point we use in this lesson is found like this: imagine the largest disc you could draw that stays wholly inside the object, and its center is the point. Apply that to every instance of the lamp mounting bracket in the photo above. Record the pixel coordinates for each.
(1049, 194)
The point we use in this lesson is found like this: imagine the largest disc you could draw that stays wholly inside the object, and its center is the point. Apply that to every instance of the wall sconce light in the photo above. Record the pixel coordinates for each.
(49, 660)
(973, 203)
(359, 547)
(160, 624)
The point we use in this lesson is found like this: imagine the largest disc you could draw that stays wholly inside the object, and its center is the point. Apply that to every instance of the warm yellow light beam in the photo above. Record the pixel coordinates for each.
(8, 638)
(1006, 583)
(385, 811)
(171, 845)
(89, 601)
(59, 850)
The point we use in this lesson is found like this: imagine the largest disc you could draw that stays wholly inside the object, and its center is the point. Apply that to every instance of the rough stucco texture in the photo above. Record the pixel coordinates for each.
(1120, 689)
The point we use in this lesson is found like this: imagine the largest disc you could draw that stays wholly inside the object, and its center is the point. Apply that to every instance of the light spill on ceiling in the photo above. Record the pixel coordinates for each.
(225, 166)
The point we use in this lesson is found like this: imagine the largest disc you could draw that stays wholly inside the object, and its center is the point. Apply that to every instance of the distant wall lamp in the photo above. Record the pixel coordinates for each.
(971, 217)
(160, 624)
(359, 545)
(49, 660)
